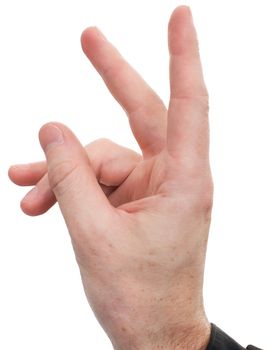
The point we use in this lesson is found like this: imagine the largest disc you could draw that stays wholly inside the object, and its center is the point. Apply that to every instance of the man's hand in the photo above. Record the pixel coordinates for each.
(139, 224)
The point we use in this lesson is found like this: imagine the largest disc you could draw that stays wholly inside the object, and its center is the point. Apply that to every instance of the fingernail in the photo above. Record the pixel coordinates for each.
(31, 195)
(50, 136)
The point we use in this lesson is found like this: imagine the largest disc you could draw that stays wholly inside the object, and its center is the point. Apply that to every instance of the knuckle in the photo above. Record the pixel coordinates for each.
(61, 176)
(97, 151)
(204, 198)
(204, 101)
(198, 192)
(208, 197)
(101, 142)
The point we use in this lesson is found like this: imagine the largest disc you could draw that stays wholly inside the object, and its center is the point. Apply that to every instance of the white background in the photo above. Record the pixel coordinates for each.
(45, 76)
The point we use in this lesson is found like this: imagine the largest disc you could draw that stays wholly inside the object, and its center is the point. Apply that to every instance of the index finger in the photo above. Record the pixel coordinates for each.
(146, 111)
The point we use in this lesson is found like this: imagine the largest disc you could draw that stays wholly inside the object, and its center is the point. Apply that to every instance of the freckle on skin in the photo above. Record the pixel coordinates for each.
(93, 251)
(123, 329)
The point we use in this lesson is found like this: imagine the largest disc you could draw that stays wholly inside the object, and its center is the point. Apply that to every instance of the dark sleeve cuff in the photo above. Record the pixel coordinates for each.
(221, 341)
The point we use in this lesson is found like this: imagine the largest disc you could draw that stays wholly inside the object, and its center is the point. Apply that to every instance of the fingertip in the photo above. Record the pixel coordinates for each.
(41, 131)
(30, 210)
(92, 32)
(16, 173)
(90, 37)
(87, 32)
(84, 35)
(46, 125)
(180, 12)
(50, 135)
(182, 35)
(180, 17)
(11, 172)
(27, 207)
(33, 205)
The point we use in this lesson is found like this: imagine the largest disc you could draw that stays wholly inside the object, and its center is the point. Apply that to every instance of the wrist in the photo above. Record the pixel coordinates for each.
(192, 336)
(171, 319)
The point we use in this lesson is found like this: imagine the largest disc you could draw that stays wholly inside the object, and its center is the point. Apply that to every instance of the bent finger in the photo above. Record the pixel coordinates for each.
(111, 163)
(27, 174)
(39, 199)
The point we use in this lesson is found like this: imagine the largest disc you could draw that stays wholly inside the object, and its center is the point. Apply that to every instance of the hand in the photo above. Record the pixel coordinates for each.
(139, 224)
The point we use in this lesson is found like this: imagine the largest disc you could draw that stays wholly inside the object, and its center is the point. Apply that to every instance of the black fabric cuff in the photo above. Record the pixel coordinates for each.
(221, 341)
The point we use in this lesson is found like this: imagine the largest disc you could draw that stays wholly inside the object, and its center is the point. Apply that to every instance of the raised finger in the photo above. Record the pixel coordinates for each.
(147, 113)
(188, 130)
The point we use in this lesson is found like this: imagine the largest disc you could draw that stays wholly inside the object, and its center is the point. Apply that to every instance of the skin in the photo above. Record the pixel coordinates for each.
(139, 223)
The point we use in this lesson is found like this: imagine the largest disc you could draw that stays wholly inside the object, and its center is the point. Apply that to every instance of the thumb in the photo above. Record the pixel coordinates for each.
(72, 179)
